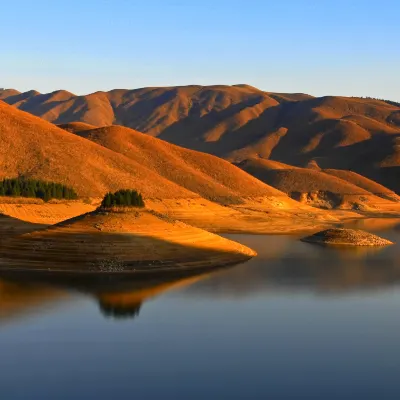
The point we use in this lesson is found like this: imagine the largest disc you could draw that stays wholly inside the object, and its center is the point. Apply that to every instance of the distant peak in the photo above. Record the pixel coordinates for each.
(246, 86)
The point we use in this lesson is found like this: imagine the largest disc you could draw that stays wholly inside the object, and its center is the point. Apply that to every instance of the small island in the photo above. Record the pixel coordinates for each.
(346, 237)
(121, 237)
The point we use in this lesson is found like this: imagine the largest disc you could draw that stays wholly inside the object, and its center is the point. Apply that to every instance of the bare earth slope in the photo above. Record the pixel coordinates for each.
(365, 183)
(173, 181)
(36, 148)
(341, 189)
(211, 177)
(240, 122)
(123, 241)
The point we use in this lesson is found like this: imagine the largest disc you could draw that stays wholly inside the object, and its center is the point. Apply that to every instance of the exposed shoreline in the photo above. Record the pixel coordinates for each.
(340, 237)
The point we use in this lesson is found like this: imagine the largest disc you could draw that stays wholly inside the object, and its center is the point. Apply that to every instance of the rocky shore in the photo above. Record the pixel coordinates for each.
(346, 237)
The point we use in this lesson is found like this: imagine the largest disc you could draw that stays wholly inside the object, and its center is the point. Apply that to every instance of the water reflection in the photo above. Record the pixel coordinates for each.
(117, 298)
(283, 264)
(119, 311)
(374, 224)
(23, 298)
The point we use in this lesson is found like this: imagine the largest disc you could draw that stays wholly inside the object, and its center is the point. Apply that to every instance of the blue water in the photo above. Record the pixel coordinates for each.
(297, 322)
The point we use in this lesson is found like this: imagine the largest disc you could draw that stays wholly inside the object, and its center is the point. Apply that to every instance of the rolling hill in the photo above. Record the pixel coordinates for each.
(241, 122)
(211, 177)
(194, 187)
(321, 188)
(128, 241)
(38, 149)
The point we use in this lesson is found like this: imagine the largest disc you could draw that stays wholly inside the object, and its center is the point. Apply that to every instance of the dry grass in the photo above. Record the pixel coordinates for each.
(364, 183)
(209, 176)
(128, 241)
(75, 127)
(120, 158)
(240, 122)
(326, 189)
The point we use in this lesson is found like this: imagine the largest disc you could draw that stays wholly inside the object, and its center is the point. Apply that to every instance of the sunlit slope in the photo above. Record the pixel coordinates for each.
(207, 175)
(328, 190)
(120, 241)
(240, 122)
(38, 149)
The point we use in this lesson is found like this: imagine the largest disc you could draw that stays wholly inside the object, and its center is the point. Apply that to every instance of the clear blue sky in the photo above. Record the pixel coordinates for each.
(338, 47)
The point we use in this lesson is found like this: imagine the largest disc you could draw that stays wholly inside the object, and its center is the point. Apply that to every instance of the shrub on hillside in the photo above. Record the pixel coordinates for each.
(123, 198)
(23, 187)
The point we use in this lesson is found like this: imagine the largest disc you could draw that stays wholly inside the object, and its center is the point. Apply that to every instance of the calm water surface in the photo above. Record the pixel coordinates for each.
(299, 321)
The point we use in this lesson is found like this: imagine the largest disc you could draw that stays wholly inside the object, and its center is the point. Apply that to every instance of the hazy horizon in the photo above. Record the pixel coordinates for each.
(328, 48)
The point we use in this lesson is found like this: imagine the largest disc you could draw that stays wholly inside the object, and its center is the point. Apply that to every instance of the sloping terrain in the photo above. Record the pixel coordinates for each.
(172, 180)
(331, 189)
(120, 241)
(201, 173)
(75, 127)
(364, 183)
(38, 149)
(240, 122)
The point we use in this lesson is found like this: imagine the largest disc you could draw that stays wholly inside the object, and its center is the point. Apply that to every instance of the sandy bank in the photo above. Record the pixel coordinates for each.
(263, 215)
(128, 241)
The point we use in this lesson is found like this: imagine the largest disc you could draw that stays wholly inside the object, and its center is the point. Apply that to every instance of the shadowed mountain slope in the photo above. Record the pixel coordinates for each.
(35, 148)
(364, 183)
(38, 149)
(330, 189)
(240, 122)
(201, 173)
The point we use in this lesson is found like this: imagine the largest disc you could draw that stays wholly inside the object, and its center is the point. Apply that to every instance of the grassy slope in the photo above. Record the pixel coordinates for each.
(241, 122)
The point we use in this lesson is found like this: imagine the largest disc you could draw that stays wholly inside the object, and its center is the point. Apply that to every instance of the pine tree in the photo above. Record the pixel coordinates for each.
(123, 198)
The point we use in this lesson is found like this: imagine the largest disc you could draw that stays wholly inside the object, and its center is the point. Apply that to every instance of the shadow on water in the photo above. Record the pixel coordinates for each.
(283, 264)
(286, 264)
(118, 311)
(117, 297)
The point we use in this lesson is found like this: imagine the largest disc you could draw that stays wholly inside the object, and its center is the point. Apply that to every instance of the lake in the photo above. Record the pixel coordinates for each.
(299, 321)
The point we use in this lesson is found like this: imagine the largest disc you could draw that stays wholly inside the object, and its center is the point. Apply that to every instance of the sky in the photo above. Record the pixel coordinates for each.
(324, 47)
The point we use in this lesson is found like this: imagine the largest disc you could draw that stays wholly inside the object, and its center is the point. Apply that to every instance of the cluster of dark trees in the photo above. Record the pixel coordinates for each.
(23, 187)
(123, 198)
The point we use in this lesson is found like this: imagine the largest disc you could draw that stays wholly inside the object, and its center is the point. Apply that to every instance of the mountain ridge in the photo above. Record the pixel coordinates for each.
(241, 122)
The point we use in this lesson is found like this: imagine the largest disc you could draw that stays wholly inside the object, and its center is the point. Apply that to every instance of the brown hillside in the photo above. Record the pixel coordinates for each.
(7, 93)
(36, 148)
(124, 241)
(364, 183)
(252, 165)
(209, 176)
(240, 122)
(75, 127)
(315, 187)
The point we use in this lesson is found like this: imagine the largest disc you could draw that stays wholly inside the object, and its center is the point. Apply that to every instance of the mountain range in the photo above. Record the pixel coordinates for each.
(241, 122)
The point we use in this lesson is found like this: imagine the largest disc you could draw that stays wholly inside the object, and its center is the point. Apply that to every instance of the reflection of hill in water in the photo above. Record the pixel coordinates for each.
(20, 298)
(284, 263)
(375, 224)
(119, 299)
(118, 311)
